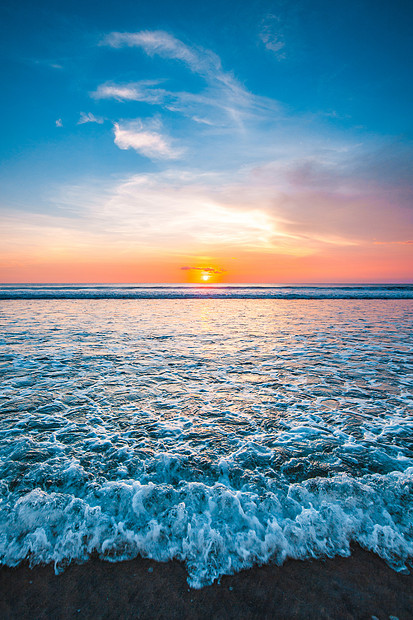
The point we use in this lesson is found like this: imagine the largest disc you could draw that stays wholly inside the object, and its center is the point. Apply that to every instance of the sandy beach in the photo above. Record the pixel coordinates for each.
(360, 586)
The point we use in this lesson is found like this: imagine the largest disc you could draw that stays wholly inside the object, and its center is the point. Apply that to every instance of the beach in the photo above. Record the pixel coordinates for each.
(358, 587)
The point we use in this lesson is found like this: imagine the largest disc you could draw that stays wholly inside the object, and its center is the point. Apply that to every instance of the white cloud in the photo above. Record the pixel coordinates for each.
(263, 209)
(188, 104)
(273, 42)
(215, 105)
(135, 91)
(294, 207)
(165, 45)
(223, 103)
(193, 212)
(202, 121)
(272, 37)
(89, 118)
(45, 63)
(203, 62)
(143, 139)
(59, 122)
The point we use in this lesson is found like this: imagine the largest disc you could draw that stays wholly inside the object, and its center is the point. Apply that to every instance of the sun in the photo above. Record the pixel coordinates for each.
(204, 274)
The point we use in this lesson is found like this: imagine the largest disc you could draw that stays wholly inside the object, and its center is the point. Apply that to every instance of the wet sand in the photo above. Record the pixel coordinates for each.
(359, 587)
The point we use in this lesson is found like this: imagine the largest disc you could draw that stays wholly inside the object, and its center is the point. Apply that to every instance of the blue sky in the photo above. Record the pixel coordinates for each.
(189, 132)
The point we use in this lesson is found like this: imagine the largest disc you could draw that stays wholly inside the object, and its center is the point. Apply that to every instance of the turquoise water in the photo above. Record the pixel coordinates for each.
(221, 432)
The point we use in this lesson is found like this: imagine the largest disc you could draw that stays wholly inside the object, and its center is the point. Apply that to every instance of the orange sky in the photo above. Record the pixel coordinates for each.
(374, 263)
(155, 228)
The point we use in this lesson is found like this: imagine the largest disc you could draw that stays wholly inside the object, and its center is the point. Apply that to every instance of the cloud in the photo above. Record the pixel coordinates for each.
(211, 105)
(153, 42)
(143, 139)
(189, 104)
(89, 118)
(45, 63)
(408, 242)
(290, 208)
(135, 91)
(59, 122)
(192, 208)
(326, 198)
(158, 42)
(297, 204)
(223, 92)
(272, 36)
(207, 269)
(203, 121)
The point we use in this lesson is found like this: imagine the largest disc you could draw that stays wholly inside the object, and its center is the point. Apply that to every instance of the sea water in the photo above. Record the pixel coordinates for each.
(222, 432)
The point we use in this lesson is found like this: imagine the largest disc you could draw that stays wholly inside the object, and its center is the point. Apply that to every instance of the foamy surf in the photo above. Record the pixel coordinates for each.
(215, 530)
(171, 291)
(222, 435)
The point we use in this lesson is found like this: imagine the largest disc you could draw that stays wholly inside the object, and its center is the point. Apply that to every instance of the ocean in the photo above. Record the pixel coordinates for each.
(222, 426)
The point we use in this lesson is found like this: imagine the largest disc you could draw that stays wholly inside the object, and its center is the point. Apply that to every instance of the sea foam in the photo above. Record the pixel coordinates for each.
(222, 434)
(175, 291)
(213, 529)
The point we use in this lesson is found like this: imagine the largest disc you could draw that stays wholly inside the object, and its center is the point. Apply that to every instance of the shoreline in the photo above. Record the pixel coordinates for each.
(360, 586)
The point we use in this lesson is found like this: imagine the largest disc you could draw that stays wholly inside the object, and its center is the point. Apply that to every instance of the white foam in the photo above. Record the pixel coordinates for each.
(162, 291)
(221, 434)
(213, 529)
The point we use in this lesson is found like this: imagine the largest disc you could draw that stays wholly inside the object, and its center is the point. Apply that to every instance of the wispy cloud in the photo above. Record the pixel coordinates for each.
(135, 91)
(223, 96)
(153, 42)
(193, 209)
(272, 37)
(289, 209)
(291, 190)
(89, 118)
(188, 104)
(46, 63)
(59, 122)
(158, 42)
(144, 140)
(207, 269)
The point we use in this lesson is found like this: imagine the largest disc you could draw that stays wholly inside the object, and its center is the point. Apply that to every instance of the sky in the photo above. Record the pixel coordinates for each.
(259, 141)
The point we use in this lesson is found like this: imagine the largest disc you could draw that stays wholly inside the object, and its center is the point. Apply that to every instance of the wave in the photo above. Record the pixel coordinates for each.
(214, 529)
(49, 292)
(223, 438)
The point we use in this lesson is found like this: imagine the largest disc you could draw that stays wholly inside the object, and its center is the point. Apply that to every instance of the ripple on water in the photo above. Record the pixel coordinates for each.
(218, 432)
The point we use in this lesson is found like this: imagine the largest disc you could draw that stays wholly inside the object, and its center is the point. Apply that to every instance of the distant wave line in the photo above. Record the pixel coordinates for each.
(55, 292)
